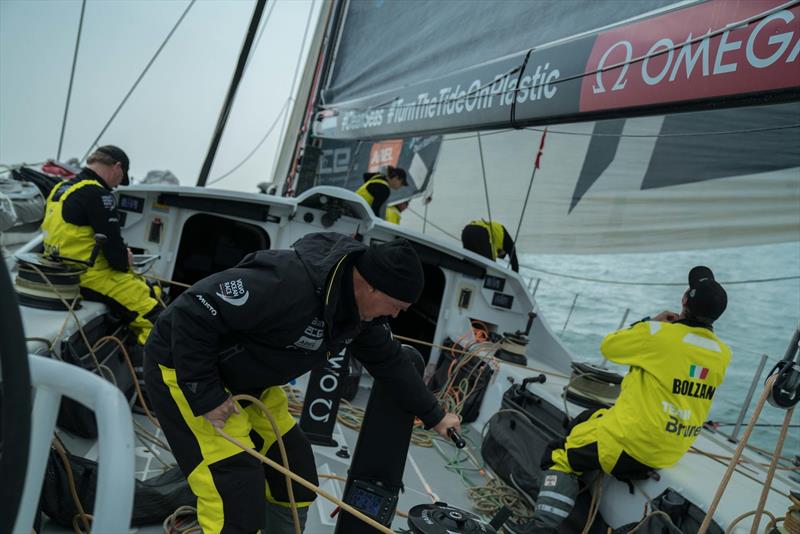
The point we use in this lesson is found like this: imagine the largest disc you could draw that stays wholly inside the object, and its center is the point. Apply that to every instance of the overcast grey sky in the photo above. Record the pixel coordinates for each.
(168, 121)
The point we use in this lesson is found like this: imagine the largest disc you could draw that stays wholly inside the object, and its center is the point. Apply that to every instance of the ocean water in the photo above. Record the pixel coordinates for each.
(760, 317)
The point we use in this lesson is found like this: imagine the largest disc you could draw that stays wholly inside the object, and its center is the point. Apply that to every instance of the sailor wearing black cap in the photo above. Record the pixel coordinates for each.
(256, 326)
(676, 365)
(377, 187)
(84, 206)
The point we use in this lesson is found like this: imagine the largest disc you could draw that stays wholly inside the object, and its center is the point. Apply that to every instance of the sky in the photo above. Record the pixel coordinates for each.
(168, 121)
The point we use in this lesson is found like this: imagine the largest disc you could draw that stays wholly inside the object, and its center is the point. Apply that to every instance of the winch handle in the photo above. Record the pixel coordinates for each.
(456, 437)
(99, 241)
(541, 379)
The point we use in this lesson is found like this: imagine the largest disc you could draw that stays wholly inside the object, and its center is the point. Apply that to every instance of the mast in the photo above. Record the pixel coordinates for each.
(226, 107)
(314, 75)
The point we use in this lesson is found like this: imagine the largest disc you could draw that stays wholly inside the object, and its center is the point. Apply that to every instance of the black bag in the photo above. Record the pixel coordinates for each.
(517, 436)
(73, 416)
(154, 499)
(478, 371)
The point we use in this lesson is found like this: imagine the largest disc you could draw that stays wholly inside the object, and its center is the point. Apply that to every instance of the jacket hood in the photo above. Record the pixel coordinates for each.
(321, 252)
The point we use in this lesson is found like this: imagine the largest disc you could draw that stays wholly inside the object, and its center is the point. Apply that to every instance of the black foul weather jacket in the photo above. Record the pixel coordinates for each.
(275, 316)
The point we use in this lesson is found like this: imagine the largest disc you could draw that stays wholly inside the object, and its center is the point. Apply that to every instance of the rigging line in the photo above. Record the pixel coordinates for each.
(621, 135)
(297, 64)
(136, 83)
(246, 65)
(625, 283)
(261, 32)
(530, 186)
(71, 79)
(486, 194)
(255, 149)
(437, 227)
(680, 134)
(632, 61)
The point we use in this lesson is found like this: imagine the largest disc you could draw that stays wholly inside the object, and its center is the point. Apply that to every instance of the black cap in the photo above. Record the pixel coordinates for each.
(706, 299)
(397, 172)
(117, 154)
(393, 268)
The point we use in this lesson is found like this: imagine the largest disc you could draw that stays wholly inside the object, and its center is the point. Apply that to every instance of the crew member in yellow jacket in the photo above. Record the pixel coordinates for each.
(378, 186)
(676, 365)
(393, 212)
(491, 240)
(84, 206)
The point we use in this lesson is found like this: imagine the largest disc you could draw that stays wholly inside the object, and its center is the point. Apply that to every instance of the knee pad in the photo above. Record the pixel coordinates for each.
(557, 493)
(301, 462)
(280, 521)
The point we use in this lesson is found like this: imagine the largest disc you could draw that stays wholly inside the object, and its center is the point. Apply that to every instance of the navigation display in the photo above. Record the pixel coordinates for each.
(129, 203)
(366, 502)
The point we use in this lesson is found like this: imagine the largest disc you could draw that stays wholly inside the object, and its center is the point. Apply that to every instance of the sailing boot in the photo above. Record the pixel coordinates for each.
(556, 499)
(280, 521)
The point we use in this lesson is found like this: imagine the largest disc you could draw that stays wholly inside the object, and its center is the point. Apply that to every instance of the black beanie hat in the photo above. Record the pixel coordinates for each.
(393, 268)
(706, 299)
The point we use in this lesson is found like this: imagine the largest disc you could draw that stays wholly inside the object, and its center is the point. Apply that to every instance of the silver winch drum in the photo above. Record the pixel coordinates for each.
(592, 386)
(512, 349)
(46, 284)
(439, 518)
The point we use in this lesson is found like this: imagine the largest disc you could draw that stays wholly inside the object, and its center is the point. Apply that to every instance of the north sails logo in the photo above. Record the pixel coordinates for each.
(233, 292)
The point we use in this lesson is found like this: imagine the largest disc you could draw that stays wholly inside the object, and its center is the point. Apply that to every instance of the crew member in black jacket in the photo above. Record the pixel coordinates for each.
(250, 329)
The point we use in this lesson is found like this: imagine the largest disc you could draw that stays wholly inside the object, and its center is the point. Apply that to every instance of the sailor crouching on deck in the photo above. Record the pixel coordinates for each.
(84, 206)
(250, 329)
(676, 364)
(377, 187)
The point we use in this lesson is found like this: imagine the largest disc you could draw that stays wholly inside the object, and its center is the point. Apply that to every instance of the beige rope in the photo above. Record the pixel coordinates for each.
(771, 473)
(300, 480)
(503, 362)
(284, 457)
(735, 459)
(164, 280)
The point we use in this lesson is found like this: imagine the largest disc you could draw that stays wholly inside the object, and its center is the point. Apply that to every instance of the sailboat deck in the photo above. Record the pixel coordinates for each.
(428, 478)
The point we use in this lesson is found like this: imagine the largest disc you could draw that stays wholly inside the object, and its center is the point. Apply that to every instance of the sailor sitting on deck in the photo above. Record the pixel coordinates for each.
(84, 206)
(377, 187)
(676, 364)
(491, 240)
(254, 327)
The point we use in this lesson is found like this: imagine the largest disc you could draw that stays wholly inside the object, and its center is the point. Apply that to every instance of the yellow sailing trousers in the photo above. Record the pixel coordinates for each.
(232, 487)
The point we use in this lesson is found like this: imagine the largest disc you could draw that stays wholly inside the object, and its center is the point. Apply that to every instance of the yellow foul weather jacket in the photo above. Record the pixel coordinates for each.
(375, 191)
(675, 370)
(496, 234)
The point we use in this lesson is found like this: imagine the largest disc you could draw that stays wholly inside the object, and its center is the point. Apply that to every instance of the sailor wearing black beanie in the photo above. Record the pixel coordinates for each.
(393, 268)
(252, 328)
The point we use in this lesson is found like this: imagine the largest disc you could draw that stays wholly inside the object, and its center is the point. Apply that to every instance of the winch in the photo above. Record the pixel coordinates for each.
(439, 518)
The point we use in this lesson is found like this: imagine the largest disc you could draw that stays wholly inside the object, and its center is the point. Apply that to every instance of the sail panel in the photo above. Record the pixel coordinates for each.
(628, 185)
(386, 44)
(708, 55)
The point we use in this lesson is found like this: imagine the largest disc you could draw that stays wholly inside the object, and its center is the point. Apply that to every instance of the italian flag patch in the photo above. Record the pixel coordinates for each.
(695, 371)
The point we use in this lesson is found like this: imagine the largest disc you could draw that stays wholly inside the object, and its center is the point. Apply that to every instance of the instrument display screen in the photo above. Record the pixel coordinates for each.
(501, 300)
(494, 283)
(129, 203)
(366, 501)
